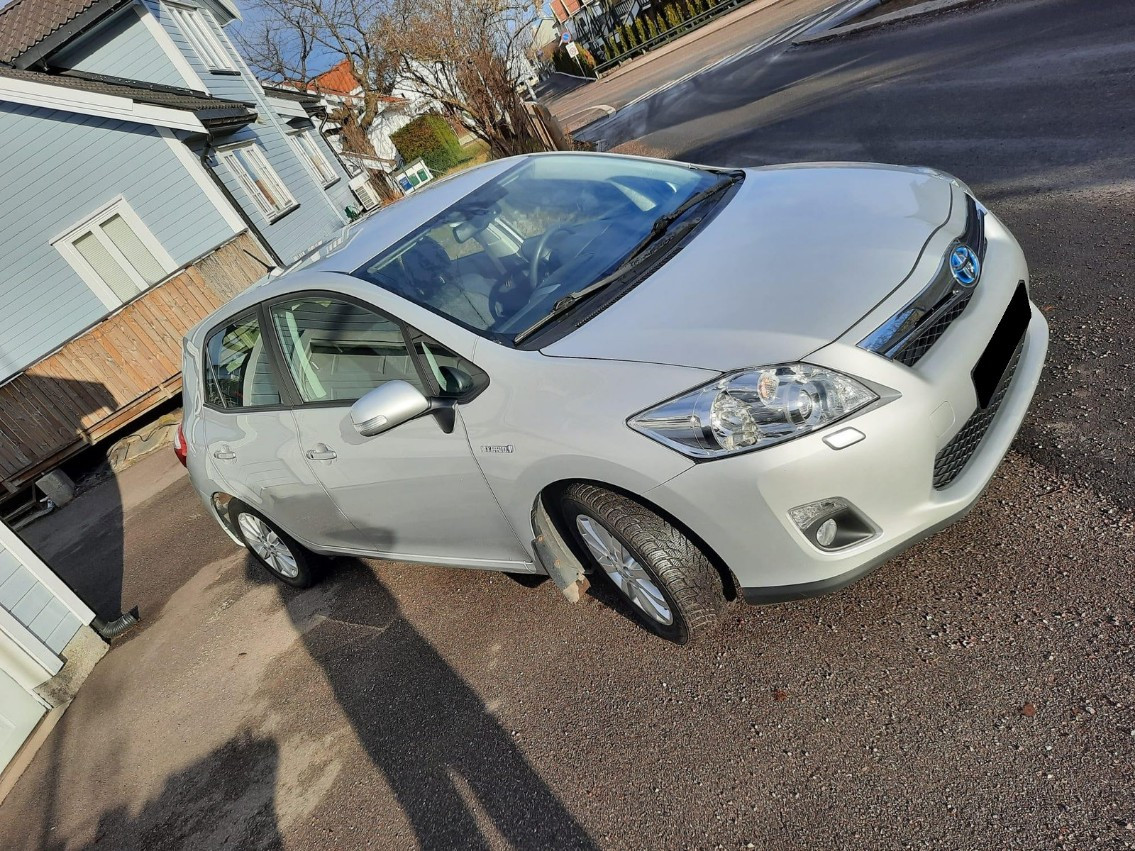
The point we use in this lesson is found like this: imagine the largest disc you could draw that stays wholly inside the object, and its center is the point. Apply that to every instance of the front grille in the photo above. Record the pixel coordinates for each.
(908, 335)
(914, 348)
(955, 455)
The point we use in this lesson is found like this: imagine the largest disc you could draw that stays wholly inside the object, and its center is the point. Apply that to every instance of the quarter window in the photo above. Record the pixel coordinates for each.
(238, 368)
(259, 180)
(338, 351)
(115, 254)
(308, 146)
(199, 33)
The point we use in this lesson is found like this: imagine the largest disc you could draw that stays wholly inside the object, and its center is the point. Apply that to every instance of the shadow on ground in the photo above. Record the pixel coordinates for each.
(445, 756)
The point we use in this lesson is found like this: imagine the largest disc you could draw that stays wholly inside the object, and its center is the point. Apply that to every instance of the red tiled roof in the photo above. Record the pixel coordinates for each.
(564, 9)
(339, 80)
(25, 23)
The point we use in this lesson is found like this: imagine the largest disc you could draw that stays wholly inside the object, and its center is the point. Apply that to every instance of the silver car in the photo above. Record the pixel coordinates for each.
(695, 384)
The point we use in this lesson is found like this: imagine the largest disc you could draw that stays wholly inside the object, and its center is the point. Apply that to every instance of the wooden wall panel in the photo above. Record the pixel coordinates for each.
(116, 371)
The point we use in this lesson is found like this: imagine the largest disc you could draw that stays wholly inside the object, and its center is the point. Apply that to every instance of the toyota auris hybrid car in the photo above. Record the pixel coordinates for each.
(696, 384)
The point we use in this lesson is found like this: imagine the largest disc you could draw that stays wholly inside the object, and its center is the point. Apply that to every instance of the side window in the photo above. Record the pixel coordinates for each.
(339, 351)
(238, 369)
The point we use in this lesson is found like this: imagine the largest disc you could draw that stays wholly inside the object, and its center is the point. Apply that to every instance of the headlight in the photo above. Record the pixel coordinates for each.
(753, 409)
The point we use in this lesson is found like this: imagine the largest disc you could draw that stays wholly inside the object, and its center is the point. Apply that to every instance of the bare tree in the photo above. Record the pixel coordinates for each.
(468, 58)
(465, 57)
(290, 41)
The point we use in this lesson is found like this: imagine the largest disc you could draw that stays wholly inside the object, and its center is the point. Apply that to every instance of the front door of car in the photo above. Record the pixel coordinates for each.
(251, 442)
(416, 491)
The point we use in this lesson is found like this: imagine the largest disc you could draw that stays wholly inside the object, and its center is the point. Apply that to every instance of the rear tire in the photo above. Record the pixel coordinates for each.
(277, 551)
(669, 584)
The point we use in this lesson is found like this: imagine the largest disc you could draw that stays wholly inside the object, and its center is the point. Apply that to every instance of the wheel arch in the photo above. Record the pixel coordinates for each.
(549, 498)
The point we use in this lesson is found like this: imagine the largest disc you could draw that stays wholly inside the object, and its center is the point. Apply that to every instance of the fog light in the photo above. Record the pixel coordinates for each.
(832, 524)
(825, 533)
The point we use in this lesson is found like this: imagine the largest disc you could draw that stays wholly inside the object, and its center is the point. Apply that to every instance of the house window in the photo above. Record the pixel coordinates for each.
(115, 254)
(309, 148)
(259, 180)
(195, 24)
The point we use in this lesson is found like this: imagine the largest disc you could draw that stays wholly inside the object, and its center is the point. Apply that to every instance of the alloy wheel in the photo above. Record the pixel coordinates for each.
(624, 570)
(264, 541)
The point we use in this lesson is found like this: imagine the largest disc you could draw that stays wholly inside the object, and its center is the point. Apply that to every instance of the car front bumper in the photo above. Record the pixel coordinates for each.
(739, 506)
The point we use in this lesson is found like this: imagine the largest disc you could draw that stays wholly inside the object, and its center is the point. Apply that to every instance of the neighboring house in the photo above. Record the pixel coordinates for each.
(590, 22)
(545, 39)
(47, 647)
(338, 87)
(147, 177)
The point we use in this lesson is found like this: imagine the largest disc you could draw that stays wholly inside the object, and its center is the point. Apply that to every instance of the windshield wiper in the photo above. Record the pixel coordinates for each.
(658, 230)
(663, 223)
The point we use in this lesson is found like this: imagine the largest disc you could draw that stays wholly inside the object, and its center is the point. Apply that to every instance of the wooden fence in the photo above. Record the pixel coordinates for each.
(117, 370)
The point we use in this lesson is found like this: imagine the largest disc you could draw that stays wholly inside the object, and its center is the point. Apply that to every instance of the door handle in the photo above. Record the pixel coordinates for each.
(321, 453)
(224, 455)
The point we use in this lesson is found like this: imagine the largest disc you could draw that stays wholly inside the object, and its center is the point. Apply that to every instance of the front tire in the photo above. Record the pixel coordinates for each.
(277, 551)
(669, 584)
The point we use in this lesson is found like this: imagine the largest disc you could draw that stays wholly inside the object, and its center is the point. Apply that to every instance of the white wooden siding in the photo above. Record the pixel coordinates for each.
(123, 48)
(26, 595)
(45, 301)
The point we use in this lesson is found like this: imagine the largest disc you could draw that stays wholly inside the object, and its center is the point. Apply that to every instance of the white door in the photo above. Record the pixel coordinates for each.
(19, 713)
(415, 492)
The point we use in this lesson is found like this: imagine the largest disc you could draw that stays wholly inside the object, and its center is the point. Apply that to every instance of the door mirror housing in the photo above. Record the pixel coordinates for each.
(387, 406)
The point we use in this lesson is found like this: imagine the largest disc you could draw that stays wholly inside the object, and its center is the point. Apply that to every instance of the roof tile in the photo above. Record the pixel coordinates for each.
(203, 106)
(25, 23)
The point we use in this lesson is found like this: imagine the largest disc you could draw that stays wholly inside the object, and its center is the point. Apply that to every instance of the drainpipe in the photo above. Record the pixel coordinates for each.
(252, 226)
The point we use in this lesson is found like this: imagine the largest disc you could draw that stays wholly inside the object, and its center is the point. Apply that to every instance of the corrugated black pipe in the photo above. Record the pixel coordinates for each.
(109, 631)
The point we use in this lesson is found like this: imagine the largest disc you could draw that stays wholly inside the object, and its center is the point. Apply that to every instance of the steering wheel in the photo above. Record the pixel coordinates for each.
(506, 297)
(538, 256)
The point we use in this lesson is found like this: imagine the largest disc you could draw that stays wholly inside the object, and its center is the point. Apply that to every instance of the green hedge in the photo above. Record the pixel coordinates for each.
(584, 62)
(431, 138)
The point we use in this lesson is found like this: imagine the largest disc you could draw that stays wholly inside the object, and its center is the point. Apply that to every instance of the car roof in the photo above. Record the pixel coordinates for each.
(359, 242)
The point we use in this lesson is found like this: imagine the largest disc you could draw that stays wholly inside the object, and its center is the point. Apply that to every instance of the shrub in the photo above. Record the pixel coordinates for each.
(629, 37)
(699, 6)
(673, 19)
(640, 29)
(585, 63)
(431, 138)
(651, 27)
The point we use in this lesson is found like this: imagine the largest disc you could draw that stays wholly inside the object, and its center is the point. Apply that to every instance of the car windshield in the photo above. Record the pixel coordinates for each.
(499, 260)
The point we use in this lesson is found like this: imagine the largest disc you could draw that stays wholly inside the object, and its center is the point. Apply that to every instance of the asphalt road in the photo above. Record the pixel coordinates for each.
(740, 30)
(977, 692)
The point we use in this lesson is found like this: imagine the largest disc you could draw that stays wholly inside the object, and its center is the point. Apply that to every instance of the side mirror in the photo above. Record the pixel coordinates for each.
(385, 407)
(456, 382)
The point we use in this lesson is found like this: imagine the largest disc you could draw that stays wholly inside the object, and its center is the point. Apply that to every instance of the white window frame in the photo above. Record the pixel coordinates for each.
(312, 154)
(228, 156)
(65, 245)
(196, 25)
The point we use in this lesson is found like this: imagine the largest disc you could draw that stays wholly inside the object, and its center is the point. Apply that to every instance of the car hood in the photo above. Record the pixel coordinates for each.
(796, 258)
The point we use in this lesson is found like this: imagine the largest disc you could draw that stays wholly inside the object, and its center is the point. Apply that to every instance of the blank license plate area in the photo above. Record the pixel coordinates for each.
(995, 359)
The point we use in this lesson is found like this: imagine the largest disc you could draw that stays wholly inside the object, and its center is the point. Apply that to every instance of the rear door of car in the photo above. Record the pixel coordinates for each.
(252, 443)
(413, 492)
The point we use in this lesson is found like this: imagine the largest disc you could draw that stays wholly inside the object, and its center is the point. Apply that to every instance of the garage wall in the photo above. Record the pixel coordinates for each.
(36, 598)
